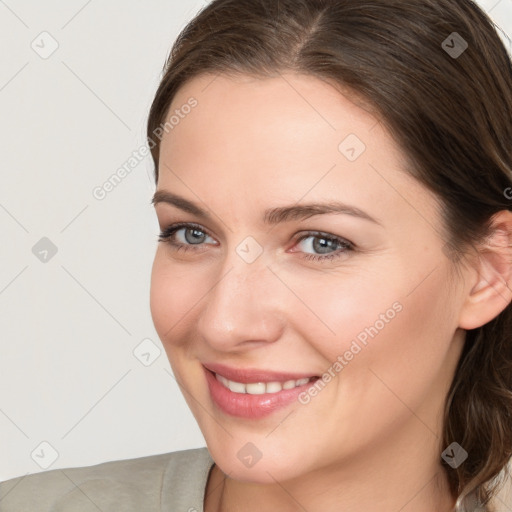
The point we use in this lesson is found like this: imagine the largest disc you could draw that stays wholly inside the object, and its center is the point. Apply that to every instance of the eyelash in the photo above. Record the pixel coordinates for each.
(167, 234)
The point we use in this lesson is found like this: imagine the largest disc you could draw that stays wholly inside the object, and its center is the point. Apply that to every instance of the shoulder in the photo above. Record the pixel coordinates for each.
(150, 483)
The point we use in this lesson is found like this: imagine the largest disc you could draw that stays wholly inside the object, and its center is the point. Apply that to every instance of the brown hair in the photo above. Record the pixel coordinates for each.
(451, 114)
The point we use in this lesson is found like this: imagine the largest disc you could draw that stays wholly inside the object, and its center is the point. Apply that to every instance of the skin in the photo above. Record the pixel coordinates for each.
(372, 435)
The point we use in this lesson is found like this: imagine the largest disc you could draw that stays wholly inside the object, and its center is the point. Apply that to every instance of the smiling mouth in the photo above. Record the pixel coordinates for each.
(261, 393)
(260, 388)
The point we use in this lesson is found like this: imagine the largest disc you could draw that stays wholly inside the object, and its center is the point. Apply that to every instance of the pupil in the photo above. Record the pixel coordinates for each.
(322, 243)
(196, 233)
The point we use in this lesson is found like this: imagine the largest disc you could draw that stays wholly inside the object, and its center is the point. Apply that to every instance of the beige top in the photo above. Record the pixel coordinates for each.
(171, 482)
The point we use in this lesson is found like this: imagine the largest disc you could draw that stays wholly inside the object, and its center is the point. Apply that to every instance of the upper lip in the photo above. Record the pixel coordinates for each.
(248, 375)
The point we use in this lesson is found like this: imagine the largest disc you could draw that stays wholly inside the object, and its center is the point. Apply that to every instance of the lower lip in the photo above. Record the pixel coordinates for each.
(245, 405)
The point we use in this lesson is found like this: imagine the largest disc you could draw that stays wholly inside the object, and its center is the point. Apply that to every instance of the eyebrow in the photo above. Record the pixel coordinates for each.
(271, 216)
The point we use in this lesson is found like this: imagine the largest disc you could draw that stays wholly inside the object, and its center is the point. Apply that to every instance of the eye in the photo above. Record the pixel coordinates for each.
(323, 243)
(193, 234)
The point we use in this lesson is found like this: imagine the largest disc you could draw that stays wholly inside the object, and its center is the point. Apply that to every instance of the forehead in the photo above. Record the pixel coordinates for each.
(282, 139)
(283, 109)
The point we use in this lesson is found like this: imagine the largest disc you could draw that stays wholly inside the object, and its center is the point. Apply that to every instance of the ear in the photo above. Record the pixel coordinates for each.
(490, 291)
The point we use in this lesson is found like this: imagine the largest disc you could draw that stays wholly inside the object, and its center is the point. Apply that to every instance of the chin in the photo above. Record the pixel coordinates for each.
(236, 462)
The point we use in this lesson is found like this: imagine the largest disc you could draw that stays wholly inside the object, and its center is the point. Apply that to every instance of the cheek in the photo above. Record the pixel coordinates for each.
(404, 361)
(387, 324)
(344, 309)
(174, 292)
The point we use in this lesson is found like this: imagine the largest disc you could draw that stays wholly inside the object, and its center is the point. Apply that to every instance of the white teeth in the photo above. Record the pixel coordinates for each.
(289, 384)
(255, 388)
(222, 379)
(274, 387)
(236, 387)
(258, 388)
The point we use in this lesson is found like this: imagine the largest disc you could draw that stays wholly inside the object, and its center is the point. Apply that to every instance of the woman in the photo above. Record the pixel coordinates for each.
(333, 282)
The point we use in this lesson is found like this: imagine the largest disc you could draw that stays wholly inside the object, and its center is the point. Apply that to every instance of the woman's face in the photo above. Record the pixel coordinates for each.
(376, 319)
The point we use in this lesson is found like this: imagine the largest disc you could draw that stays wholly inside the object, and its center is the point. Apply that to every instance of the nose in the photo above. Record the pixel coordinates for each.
(244, 307)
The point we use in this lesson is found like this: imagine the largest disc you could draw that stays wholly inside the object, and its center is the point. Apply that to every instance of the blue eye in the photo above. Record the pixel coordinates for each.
(196, 238)
(195, 235)
(322, 241)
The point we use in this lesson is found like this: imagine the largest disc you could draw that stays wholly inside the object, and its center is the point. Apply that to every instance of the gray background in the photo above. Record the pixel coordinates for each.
(71, 321)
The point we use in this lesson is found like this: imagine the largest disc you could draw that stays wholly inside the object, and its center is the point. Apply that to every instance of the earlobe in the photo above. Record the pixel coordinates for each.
(491, 292)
